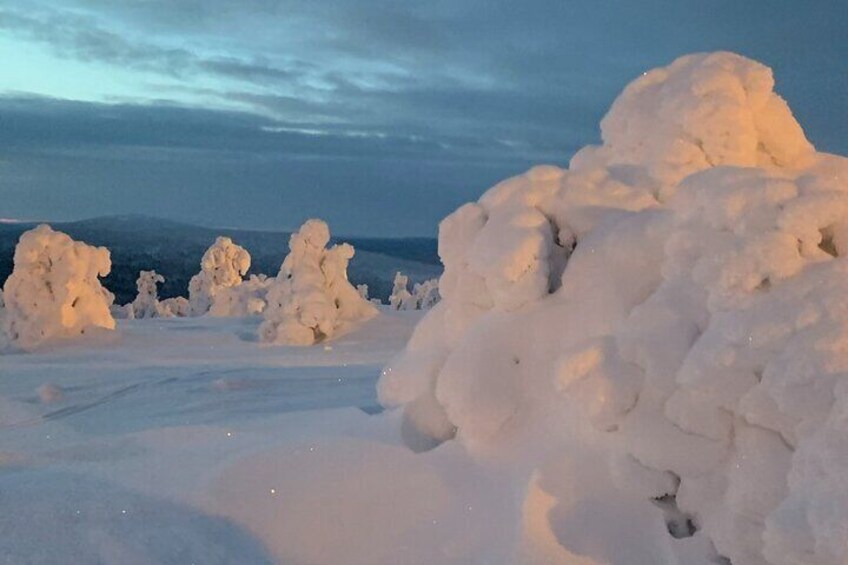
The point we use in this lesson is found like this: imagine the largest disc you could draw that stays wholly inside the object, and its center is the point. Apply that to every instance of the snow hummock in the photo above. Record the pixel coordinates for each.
(223, 266)
(48, 393)
(54, 292)
(311, 299)
(673, 305)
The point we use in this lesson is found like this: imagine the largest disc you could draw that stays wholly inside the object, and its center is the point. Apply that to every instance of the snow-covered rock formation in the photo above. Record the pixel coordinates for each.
(311, 299)
(53, 292)
(223, 265)
(680, 292)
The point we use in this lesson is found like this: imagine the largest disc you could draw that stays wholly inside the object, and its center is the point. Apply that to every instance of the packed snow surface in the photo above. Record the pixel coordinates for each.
(149, 449)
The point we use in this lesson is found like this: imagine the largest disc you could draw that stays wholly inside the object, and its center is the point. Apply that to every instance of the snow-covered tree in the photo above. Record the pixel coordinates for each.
(673, 303)
(311, 299)
(424, 295)
(362, 289)
(54, 291)
(146, 303)
(401, 299)
(178, 306)
(246, 298)
(223, 265)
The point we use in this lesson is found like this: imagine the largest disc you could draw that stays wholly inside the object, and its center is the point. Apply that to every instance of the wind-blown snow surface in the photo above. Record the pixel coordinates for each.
(673, 308)
(162, 447)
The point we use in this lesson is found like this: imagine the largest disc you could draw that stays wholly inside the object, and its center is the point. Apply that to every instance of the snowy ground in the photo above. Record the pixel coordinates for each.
(185, 441)
(120, 452)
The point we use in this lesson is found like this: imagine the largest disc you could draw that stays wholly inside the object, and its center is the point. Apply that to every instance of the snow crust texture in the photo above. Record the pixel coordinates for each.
(54, 292)
(311, 299)
(223, 266)
(677, 300)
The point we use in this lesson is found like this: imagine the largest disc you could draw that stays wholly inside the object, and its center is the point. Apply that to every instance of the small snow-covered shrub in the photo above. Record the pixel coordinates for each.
(54, 291)
(146, 303)
(223, 265)
(311, 298)
(424, 295)
(246, 298)
(401, 299)
(178, 306)
(362, 289)
(680, 295)
(122, 312)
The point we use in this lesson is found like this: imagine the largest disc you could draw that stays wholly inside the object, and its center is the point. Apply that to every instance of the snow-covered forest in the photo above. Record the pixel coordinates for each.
(637, 359)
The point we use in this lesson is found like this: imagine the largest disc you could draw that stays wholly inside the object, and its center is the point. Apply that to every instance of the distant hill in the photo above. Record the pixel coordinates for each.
(174, 250)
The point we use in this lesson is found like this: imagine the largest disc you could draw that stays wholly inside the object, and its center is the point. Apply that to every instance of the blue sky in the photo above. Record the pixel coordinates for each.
(380, 116)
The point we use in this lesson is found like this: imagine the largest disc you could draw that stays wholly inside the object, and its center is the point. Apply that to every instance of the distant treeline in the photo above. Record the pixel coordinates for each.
(174, 250)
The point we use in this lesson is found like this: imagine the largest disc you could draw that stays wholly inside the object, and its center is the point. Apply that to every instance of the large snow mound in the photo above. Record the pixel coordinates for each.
(311, 298)
(675, 299)
(54, 291)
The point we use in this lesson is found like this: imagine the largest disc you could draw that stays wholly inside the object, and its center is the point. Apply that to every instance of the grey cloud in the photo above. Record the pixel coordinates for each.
(78, 37)
(65, 159)
(378, 100)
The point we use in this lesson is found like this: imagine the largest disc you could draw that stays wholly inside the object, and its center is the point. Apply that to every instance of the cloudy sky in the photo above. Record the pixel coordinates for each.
(380, 116)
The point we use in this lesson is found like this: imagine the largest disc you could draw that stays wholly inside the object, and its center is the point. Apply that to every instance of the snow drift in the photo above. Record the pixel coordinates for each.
(223, 266)
(54, 292)
(681, 295)
(311, 298)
